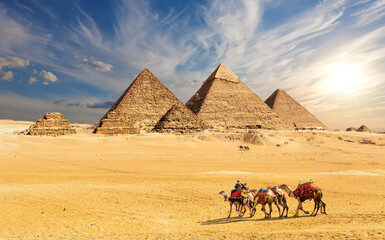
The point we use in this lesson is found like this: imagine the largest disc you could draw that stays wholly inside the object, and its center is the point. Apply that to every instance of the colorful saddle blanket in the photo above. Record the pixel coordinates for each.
(235, 195)
(262, 190)
(305, 190)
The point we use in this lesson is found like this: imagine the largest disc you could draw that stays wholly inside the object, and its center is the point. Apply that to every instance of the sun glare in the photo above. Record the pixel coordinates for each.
(344, 77)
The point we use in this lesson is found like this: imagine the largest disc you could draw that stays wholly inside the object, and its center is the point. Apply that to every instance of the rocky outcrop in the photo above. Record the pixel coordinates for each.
(140, 107)
(53, 123)
(223, 101)
(179, 120)
(291, 111)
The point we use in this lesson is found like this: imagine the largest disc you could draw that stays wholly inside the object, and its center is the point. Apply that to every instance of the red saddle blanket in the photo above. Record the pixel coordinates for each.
(235, 195)
(305, 190)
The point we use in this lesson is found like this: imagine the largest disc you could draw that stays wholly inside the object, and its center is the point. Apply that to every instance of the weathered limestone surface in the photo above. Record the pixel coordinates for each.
(53, 123)
(363, 128)
(291, 111)
(224, 101)
(140, 107)
(179, 119)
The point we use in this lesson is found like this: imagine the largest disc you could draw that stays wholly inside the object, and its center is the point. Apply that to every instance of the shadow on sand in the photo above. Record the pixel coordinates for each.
(246, 219)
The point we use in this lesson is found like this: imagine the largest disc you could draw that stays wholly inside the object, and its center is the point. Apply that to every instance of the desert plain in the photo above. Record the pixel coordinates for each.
(163, 186)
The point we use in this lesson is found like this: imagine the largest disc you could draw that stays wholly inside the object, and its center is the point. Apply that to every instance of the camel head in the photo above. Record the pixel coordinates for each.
(223, 194)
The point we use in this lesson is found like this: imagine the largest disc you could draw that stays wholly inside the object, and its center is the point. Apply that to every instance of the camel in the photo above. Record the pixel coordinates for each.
(263, 197)
(239, 204)
(281, 199)
(315, 194)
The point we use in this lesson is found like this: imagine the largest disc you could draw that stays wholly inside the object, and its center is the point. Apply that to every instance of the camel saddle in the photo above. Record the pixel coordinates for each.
(305, 190)
(236, 195)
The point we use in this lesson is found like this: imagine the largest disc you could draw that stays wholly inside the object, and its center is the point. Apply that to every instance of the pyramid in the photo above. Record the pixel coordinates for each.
(52, 123)
(363, 128)
(224, 101)
(140, 107)
(291, 111)
(179, 119)
(351, 129)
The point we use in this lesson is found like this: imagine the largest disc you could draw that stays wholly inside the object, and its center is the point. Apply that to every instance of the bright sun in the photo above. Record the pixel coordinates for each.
(344, 77)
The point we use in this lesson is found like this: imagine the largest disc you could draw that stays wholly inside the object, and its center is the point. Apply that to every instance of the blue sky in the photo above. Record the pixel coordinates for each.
(77, 57)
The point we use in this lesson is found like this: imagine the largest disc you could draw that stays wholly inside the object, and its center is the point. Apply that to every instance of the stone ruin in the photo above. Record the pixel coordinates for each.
(179, 119)
(52, 123)
(223, 101)
(140, 107)
(291, 111)
(351, 129)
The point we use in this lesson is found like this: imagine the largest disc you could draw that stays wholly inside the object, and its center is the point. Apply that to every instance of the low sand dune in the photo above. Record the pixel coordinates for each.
(159, 186)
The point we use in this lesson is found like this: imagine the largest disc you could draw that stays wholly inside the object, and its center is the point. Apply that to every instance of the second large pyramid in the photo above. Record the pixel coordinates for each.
(224, 101)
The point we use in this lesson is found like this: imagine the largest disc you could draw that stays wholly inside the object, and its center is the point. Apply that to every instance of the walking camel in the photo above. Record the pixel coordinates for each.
(262, 197)
(281, 199)
(239, 204)
(306, 191)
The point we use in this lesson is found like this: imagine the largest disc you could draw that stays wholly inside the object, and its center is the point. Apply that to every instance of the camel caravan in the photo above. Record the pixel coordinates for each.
(244, 198)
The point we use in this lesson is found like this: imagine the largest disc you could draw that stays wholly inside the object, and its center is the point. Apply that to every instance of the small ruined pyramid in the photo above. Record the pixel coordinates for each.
(179, 119)
(224, 101)
(291, 111)
(363, 128)
(52, 123)
(140, 107)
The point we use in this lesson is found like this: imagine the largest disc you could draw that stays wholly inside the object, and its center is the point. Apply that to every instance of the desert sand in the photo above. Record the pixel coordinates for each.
(162, 186)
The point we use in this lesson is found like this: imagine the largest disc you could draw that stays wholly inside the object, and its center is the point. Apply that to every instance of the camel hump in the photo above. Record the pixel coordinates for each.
(314, 187)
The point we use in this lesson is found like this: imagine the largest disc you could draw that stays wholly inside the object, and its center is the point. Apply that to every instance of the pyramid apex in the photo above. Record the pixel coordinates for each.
(223, 72)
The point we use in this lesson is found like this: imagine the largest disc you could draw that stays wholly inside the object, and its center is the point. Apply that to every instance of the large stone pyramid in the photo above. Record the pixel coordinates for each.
(224, 101)
(140, 107)
(291, 111)
(179, 119)
(52, 123)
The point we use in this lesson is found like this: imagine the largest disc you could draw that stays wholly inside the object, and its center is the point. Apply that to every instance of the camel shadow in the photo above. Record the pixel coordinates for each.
(247, 219)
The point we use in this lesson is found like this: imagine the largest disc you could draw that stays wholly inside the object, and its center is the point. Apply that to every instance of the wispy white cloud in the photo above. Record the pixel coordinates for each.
(98, 65)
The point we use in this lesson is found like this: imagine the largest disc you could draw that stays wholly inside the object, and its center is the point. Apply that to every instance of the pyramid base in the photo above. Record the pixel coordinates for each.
(51, 131)
(116, 130)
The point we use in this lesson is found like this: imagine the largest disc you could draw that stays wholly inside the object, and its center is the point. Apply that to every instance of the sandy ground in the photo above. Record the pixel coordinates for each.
(158, 186)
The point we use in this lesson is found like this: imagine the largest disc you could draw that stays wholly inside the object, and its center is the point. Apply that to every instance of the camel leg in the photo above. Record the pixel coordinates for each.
(315, 206)
(231, 207)
(263, 209)
(284, 205)
(324, 206)
(318, 206)
(279, 210)
(271, 209)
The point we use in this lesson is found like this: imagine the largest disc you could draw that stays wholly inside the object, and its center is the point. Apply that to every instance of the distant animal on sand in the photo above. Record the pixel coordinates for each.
(306, 191)
(243, 147)
(264, 197)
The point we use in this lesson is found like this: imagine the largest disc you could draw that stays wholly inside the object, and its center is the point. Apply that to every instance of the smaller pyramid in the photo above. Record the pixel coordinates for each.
(140, 107)
(291, 111)
(179, 119)
(52, 123)
(363, 128)
(351, 129)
